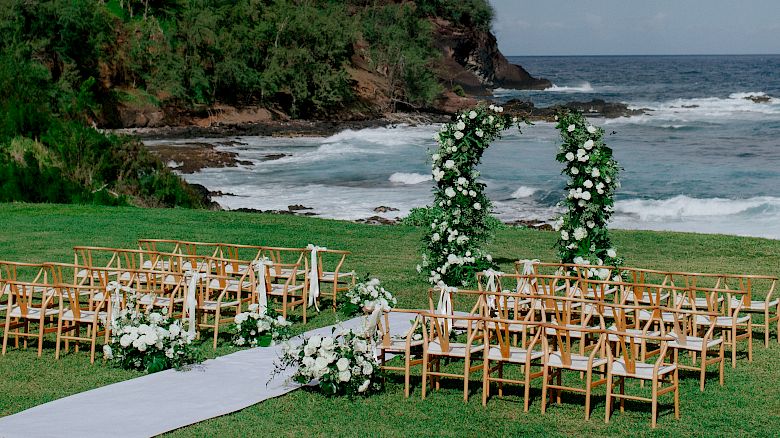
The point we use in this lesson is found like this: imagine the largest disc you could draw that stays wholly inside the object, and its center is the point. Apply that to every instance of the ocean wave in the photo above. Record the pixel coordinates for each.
(681, 207)
(409, 178)
(523, 192)
(584, 87)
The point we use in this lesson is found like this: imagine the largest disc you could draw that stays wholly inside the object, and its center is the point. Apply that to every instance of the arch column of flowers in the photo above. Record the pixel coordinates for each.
(460, 212)
(593, 178)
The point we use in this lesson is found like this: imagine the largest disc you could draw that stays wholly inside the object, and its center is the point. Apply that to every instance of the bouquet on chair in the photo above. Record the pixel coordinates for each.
(341, 365)
(260, 327)
(365, 296)
(148, 341)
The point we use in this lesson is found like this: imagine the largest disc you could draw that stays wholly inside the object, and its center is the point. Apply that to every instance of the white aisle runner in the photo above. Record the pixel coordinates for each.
(164, 401)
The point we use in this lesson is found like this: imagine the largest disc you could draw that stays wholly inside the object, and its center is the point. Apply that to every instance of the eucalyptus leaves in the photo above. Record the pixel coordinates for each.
(593, 178)
(461, 211)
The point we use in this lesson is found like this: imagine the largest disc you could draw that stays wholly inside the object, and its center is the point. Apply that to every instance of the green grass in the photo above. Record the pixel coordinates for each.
(749, 403)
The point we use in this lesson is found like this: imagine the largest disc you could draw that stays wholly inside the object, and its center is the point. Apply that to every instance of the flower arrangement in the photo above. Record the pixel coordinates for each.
(341, 365)
(148, 341)
(260, 327)
(593, 178)
(452, 253)
(365, 296)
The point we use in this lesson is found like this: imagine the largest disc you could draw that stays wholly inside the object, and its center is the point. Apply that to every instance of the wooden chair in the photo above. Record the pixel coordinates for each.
(769, 307)
(75, 313)
(400, 345)
(559, 356)
(437, 346)
(29, 303)
(623, 361)
(502, 352)
(699, 339)
(286, 291)
(733, 326)
(216, 301)
(331, 272)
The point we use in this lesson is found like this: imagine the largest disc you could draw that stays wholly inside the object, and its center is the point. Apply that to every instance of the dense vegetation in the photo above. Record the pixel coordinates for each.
(67, 66)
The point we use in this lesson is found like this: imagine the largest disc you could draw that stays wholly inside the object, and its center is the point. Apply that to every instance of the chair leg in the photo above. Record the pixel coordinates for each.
(407, 371)
(485, 381)
(527, 389)
(41, 326)
(654, 403)
(766, 327)
(59, 339)
(703, 372)
(750, 340)
(609, 397)
(733, 348)
(216, 327)
(5, 331)
(677, 394)
(424, 374)
(94, 343)
(622, 385)
(466, 379)
(588, 382)
(722, 362)
(500, 376)
(545, 382)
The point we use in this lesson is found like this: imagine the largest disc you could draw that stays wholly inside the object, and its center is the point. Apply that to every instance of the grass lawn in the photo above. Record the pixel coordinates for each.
(749, 403)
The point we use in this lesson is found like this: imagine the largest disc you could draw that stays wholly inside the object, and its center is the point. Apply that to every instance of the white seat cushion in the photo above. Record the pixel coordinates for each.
(721, 321)
(212, 305)
(516, 354)
(84, 315)
(330, 276)
(578, 362)
(148, 299)
(399, 345)
(550, 331)
(646, 315)
(278, 289)
(32, 312)
(647, 297)
(456, 349)
(693, 343)
(615, 338)
(755, 306)
(701, 302)
(643, 370)
(605, 310)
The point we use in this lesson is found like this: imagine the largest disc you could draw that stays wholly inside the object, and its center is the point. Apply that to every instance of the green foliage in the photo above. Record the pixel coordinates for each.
(401, 47)
(462, 225)
(469, 13)
(593, 178)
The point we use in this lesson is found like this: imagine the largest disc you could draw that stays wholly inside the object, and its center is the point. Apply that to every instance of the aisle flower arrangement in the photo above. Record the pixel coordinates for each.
(460, 225)
(592, 180)
(365, 296)
(343, 364)
(148, 341)
(260, 327)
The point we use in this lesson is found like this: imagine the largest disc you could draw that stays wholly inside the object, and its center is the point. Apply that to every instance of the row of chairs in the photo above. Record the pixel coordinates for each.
(607, 329)
(68, 299)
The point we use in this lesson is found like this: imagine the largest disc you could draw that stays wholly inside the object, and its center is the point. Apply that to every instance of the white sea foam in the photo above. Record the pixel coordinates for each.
(523, 192)
(409, 178)
(681, 207)
(584, 87)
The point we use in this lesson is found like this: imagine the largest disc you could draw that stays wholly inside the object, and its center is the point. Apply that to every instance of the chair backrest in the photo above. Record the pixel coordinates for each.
(449, 300)
(563, 340)
(385, 333)
(31, 298)
(280, 256)
(330, 260)
(498, 335)
(629, 346)
(438, 328)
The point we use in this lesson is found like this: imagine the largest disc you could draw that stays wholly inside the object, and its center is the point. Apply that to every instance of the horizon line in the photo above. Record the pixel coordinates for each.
(652, 54)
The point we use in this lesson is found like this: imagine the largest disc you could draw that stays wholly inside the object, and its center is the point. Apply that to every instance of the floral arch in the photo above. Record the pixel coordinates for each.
(460, 215)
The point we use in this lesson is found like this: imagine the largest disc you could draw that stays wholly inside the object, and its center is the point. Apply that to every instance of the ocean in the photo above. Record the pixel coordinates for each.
(705, 159)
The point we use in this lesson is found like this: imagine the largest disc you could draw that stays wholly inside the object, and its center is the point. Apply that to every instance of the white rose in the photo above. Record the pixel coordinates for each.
(125, 340)
(458, 135)
(435, 157)
(462, 181)
(603, 273)
(611, 253)
(435, 237)
(479, 133)
(460, 126)
(586, 195)
(472, 193)
(364, 386)
(342, 364)
(107, 352)
(327, 343)
(595, 173)
(570, 156)
(580, 233)
(574, 170)
(449, 164)
(367, 369)
(344, 376)
(588, 183)
(449, 192)
(571, 128)
(591, 129)
(588, 145)
(477, 206)
(565, 235)
(473, 115)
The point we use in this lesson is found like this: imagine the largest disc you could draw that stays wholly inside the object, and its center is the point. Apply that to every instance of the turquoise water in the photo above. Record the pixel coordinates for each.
(704, 159)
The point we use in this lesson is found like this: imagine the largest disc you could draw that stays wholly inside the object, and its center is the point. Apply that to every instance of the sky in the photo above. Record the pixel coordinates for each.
(637, 27)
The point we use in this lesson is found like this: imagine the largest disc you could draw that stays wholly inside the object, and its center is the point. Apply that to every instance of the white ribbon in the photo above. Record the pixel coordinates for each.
(262, 291)
(192, 289)
(524, 285)
(314, 274)
(444, 306)
(491, 286)
(113, 288)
